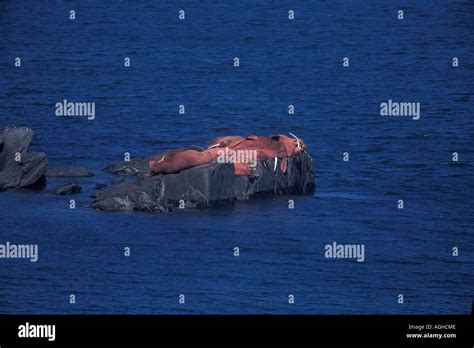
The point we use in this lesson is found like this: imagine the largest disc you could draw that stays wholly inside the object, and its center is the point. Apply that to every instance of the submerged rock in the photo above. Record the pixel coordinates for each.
(68, 189)
(74, 172)
(207, 186)
(18, 168)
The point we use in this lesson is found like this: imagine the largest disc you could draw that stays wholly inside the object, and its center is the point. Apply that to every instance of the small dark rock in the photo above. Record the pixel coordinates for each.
(38, 185)
(118, 180)
(68, 189)
(100, 186)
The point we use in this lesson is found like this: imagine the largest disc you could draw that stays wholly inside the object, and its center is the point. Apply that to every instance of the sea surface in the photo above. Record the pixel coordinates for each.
(282, 62)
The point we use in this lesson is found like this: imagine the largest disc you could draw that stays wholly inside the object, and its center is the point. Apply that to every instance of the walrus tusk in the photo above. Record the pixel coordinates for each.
(275, 165)
(162, 158)
(212, 146)
(297, 140)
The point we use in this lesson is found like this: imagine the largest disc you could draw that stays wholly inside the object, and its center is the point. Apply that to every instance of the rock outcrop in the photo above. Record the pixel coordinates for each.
(18, 167)
(206, 186)
(68, 189)
(283, 166)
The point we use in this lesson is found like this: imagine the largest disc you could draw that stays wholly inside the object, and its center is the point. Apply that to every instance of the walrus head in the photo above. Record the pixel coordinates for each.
(299, 142)
(158, 166)
(152, 165)
(293, 145)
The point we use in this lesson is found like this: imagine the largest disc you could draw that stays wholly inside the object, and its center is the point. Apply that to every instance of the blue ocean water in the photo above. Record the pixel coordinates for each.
(282, 62)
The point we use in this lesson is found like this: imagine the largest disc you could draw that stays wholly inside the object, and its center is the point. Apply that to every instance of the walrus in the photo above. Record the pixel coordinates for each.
(171, 151)
(243, 169)
(267, 146)
(292, 145)
(176, 161)
(277, 147)
(280, 147)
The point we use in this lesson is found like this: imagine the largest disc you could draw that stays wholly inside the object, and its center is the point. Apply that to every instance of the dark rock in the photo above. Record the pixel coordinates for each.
(24, 170)
(38, 185)
(118, 180)
(68, 189)
(99, 186)
(298, 179)
(68, 172)
(132, 167)
(206, 186)
(164, 192)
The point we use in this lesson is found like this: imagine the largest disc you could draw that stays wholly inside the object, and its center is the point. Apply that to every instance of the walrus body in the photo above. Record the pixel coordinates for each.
(224, 141)
(176, 161)
(280, 147)
(265, 146)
